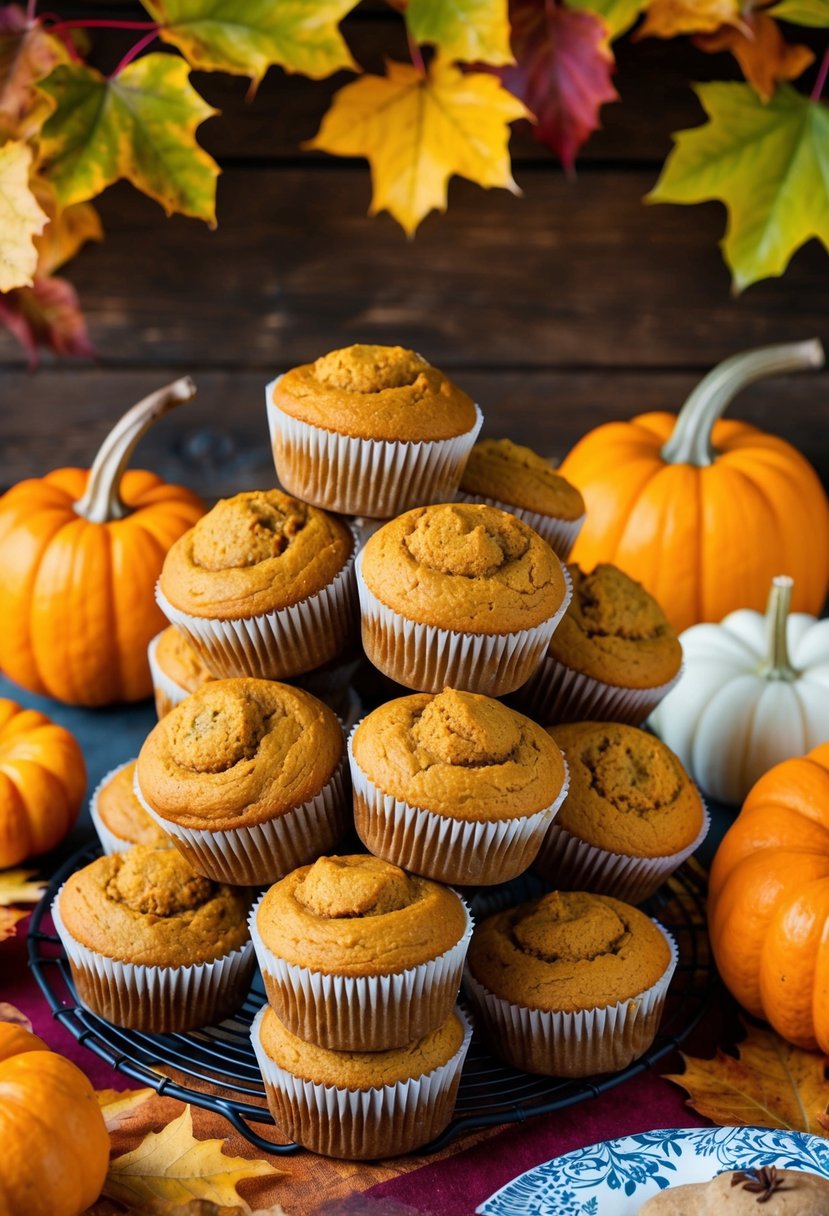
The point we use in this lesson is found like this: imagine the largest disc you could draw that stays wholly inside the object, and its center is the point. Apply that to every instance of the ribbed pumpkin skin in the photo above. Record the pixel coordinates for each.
(703, 541)
(768, 912)
(55, 1143)
(77, 598)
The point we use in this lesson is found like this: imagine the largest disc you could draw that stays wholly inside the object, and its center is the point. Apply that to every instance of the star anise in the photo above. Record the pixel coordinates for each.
(763, 1182)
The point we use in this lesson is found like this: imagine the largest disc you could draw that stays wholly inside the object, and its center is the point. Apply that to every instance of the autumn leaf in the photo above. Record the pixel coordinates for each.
(8, 921)
(27, 54)
(245, 39)
(171, 1166)
(472, 31)
(769, 164)
(761, 51)
(16, 887)
(21, 217)
(417, 130)
(140, 124)
(46, 314)
(117, 1105)
(618, 15)
(562, 73)
(10, 1013)
(668, 18)
(814, 13)
(67, 231)
(770, 1084)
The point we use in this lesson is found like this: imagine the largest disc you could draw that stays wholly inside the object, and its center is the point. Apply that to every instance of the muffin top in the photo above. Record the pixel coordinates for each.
(568, 951)
(464, 566)
(253, 553)
(628, 792)
(149, 906)
(376, 392)
(178, 660)
(459, 754)
(614, 630)
(499, 468)
(359, 916)
(782, 1193)
(123, 814)
(238, 752)
(359, 1069)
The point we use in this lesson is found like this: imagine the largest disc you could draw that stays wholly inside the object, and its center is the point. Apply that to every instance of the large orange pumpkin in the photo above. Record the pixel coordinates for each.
(80, 553)
(55, 1142)
(42, 782)
(704, 513)
(768, 909)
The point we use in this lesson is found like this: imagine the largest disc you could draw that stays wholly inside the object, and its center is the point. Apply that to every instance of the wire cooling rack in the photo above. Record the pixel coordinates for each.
(215, 1067)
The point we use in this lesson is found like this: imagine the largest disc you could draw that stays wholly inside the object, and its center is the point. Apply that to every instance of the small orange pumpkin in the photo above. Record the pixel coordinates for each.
(768, 911)
(42, 782)
(704, 513)
(55, 1142)
(80, 553)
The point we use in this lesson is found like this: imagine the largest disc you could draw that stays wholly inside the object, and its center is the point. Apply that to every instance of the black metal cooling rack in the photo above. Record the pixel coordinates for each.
(215, 1067)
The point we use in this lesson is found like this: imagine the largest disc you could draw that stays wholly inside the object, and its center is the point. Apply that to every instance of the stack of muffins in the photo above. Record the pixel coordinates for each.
(460, 596)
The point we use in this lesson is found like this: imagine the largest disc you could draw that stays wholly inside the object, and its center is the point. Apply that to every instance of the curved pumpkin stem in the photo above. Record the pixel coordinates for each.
(101, 501)
(778, 665)
(690, 442)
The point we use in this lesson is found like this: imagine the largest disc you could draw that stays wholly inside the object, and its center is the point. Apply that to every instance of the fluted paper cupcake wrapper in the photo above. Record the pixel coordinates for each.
(560, 534)
(428, 658)
(168, 694)
(110, 843)
(157, 999)
(376, 478)
(362, 1124)
(573, 865)
(468, 852)
(362, 1013)
(556, 693)
(261, 853)
(577, 1044)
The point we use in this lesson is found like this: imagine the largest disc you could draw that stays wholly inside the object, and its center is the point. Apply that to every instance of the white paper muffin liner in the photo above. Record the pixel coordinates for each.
(560, 534)
(362, 1124)
(467, 852)
(573, 865)
(261, 853)
(110, 843)
(375, 478)
(428, 658)
(573, 1044)
(156, 999)
(362, 1013)
(168, 694)
(557, 693)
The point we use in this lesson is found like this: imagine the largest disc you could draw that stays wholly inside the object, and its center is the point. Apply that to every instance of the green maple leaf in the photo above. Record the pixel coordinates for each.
(618, 15)
(470, 31)
(803, 12)
(767, 161)
(245, 39)
(140, 124)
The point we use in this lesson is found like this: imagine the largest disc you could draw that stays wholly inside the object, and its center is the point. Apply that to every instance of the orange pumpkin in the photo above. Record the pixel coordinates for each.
(55, 1142)
(80, 552)
(704, 513)
(768, 912)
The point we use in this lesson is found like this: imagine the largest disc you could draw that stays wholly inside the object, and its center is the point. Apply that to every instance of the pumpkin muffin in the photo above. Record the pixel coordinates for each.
(262, 586)
(570, 984)
(361, 1105)
(176, 668)
(614, 656)
(152, 945)
(357, 955)
(631, 816)
(737, 1193)
(455, 786)
(516, 479)
(460, 594)
(247, 776)
(119, 818)
(370, 430)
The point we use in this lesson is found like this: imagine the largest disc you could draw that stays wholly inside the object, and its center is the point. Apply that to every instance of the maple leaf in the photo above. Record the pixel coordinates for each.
(67, 231)
(814, 13)
(10, 1013)
(618, 15)
(8, 921)
(245, 39)
(15, 887)
(140, 124)
(467, 30)
(667, 18)
(769, 1084)
(761, 51)
(769, 164)
(417, 130)
(27, 54)
(562, 73)
(117, 1105)
(171, 1166)
(46, 314)
(21, 217)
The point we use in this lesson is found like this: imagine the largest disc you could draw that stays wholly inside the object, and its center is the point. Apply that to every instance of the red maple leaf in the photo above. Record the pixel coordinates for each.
(46, 314)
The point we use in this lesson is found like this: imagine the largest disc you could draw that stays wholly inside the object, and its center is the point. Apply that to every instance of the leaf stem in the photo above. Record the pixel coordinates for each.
(417, 56)
(135, 50)
(99, 23)
(817, 91)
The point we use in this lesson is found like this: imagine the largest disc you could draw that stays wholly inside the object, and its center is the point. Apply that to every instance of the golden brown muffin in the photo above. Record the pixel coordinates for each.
(179, 661)
(517, 476)
(122, 813)
(737, 1193)
(376, 392)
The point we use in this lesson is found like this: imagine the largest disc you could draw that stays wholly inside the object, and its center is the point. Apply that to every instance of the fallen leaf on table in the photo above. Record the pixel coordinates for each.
(761, 51)
(8, 919)
(803, 12)
(10, 1013)
(67, 232)
(21, 217)
(28, 52)
(770, 1084)
(46, 314)
(473, 31)
(117, 1104)
(15, 887)
(668, 18)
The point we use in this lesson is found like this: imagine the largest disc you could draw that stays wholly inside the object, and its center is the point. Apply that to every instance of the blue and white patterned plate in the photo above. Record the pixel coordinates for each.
(616, 1177)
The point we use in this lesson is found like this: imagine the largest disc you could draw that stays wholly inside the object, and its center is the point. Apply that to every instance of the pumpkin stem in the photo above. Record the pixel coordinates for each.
(690, 442)
(778, 665)
(101, 500)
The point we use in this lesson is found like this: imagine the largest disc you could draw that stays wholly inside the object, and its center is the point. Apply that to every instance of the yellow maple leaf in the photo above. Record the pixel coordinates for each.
(473, 31)
(15, 887)
(21, 218)
(117, 1105)
(173, 1167)
(417, 130)
(770, 1084)
(668, 18)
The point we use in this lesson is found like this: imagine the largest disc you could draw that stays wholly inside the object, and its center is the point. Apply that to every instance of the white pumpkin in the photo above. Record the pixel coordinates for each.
(754, 691)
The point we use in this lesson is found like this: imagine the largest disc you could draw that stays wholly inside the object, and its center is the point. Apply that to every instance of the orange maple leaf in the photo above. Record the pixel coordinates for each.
(668, 18)
(761, 51)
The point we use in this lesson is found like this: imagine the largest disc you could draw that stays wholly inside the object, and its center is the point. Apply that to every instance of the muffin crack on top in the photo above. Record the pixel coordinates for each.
(635, 784)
